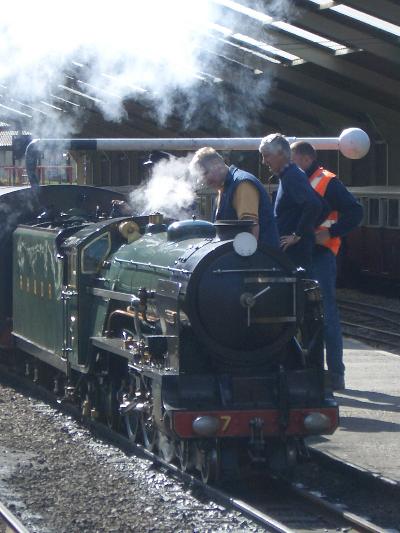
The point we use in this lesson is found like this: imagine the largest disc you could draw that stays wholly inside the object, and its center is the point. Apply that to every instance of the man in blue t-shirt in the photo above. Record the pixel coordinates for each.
(241, 196)
(297, 208)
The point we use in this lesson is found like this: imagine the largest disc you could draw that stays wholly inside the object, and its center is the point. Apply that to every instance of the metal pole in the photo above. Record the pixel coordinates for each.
(353, 143)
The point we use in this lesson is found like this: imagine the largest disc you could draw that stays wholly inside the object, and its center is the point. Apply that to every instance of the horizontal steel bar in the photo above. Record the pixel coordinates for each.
(115, 295)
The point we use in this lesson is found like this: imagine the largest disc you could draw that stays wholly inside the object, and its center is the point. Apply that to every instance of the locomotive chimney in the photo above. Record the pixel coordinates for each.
(228, 229)
(156, 218)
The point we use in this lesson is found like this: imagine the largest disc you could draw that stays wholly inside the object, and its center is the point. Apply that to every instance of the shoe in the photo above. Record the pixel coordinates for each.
(337, 381)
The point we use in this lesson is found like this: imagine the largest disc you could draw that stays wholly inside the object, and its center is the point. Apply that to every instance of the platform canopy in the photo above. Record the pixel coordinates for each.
(327, 65)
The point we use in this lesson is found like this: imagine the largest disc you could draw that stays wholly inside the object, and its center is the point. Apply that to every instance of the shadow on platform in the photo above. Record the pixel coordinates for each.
(369, 400)
(367, 425)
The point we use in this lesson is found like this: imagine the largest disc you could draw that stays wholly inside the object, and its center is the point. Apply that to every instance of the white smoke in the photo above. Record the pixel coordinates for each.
(170, 190)
(126, 48)
(151, 49)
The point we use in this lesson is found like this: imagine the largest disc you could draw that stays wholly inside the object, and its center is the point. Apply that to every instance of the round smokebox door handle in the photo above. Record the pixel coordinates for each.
(245, 244)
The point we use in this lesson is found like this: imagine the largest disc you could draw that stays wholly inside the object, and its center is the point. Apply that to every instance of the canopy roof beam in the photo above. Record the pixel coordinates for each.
(346, 34)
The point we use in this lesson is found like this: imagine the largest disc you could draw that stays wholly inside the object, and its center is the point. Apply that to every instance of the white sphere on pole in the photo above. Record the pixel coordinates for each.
(354, 143)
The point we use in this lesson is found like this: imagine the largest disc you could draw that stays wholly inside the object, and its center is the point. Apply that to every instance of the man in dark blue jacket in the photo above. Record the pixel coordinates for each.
(241, 196)
(297, 206)
(345, 215)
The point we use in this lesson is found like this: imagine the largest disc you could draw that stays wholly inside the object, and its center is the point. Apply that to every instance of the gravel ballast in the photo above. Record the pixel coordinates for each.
(57, 477)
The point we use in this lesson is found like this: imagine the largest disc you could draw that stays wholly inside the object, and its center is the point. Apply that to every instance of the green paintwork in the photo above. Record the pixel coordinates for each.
(37, 285)
(39, 314)
(83, 308)
(152, 249)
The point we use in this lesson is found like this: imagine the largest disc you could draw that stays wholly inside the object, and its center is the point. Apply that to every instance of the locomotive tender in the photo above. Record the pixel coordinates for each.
(207, 346)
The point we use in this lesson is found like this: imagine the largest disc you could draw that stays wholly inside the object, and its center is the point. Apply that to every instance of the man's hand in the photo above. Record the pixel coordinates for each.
(322, 235)
(289, 240)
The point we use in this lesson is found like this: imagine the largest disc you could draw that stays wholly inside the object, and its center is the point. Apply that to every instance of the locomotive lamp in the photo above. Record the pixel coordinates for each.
(245, 244)
(206, 426)
(316, 423)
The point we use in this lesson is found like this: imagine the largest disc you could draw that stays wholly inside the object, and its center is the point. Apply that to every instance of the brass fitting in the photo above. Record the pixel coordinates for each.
(129, 231)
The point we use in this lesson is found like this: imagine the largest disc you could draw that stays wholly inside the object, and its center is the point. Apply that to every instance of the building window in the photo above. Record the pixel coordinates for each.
(373, 212)
(393, 213)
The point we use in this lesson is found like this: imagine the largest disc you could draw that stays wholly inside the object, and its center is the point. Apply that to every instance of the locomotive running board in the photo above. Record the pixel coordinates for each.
(116, 346)
(114, 295)
(42, 353)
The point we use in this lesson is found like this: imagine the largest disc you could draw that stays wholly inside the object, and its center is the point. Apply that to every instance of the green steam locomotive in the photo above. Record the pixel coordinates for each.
(201, 345)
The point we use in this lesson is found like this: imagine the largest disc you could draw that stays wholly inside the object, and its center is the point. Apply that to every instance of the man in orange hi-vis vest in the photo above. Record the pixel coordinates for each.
(346, 214)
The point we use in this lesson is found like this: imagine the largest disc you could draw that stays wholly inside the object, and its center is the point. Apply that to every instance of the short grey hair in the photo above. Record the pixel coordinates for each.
(204, 159)
(274, 143)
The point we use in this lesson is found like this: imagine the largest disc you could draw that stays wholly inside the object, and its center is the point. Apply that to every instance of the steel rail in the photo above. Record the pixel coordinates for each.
(223, 497)
(371, 306)
(365, 332)
(368, 335)
(334, 511)
(362, 524)
(370, 310)
(13, 525)
(374, 330)
(218, 495)
(140, 451)
(346, 518)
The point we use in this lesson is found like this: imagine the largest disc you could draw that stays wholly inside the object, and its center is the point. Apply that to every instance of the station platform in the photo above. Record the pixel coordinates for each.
(369, 407)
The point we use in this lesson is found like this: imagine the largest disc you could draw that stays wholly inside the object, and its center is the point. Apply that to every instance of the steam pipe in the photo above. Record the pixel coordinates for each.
(352, 142)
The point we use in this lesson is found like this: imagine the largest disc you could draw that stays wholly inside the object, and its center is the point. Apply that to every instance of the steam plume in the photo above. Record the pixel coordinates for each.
(148, 49)
(170, 190)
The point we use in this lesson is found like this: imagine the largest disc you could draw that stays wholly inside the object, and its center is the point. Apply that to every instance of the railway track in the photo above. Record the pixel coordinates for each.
(10, 523)
(370, 323)
(274, 504)
(277, 505)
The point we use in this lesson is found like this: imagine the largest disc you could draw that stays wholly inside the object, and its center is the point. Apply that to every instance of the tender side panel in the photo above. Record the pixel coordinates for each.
(37, 285)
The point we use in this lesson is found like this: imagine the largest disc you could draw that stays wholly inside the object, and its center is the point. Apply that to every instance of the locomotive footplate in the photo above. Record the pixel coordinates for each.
(119, 347)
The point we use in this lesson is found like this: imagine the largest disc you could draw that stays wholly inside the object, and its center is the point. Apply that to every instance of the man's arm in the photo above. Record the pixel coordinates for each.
(307, 199)
(349, 209)
(246, 203)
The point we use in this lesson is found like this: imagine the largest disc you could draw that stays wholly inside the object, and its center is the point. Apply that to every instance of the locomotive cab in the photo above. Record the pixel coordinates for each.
(85, 254)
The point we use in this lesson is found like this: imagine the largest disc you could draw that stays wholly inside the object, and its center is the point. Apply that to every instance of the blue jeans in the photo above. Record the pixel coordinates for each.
(324, 271)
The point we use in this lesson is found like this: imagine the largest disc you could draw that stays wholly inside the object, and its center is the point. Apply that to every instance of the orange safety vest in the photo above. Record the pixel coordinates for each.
(319, 181)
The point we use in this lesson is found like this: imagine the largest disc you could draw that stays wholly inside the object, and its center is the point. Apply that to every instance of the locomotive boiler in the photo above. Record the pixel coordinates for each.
(202, 344)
